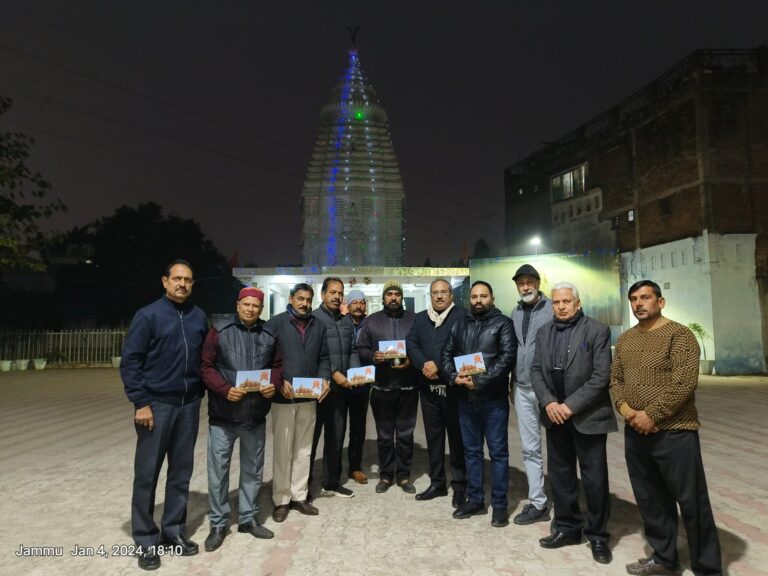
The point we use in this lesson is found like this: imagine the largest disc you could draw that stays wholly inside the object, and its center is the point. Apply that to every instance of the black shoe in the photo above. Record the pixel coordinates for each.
(256, 530)
(531, 514)
(560, 539)
(468, 509)
(459, 497)
(339, 491)
(149, 560)
(303, 507)
(383, 485)
(215, 538)
(431, 492)
(601, 553)
(181, 543)
(407, 486)
(500, 518)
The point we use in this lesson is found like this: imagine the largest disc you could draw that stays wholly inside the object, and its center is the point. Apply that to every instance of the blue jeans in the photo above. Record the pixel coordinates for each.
(486, 420)
(221, 442)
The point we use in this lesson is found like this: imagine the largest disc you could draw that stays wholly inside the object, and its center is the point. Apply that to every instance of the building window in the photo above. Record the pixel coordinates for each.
(631, 216)
(615, 222)
(673, 259)
(665, 206)
(684, 257)
(570, 183)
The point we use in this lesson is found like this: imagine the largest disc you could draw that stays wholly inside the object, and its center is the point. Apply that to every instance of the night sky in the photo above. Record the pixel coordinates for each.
(211, 108)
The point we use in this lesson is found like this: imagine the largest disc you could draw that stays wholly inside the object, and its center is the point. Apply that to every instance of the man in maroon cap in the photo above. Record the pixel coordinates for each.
(236, 344)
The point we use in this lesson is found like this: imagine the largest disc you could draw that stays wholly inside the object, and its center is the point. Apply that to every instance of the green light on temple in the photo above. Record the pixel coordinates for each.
(359, 115)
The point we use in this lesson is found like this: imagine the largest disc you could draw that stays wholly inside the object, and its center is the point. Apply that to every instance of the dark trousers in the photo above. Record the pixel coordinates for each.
(174, 434)
(332, 420)
(395, 415)
(486, 420)
(441, 416)
(357, 402)
(665, 469)
(565, 447)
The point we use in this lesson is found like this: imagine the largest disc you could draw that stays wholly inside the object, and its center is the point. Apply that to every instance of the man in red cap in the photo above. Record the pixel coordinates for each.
(236, 344)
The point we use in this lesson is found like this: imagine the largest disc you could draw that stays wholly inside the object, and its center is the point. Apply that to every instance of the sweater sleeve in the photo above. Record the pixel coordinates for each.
(684, 357)
(617, 379)
(212, 378)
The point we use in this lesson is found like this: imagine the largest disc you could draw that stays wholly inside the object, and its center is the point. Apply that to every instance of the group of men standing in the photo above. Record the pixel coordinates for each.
(556, 359)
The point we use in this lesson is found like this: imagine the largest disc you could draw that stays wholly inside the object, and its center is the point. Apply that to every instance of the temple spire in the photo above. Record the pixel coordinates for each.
(353, 35)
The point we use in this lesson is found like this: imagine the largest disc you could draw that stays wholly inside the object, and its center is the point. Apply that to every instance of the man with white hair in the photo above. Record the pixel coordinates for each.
(571, 373)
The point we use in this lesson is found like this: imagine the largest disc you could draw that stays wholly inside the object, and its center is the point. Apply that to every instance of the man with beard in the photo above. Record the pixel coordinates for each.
(531, 313)
(570, 374)
(484, 412)
(161, 375)
(653, 379)
(332, 413)
(234, 344)
(302, 351)
(439, 402)
(357, 396)
(394, 399)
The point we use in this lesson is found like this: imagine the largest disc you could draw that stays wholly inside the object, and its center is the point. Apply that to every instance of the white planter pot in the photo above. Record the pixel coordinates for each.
(5, 365)
(116, 361)
(39, 363)
(705, 366)
(22, 364)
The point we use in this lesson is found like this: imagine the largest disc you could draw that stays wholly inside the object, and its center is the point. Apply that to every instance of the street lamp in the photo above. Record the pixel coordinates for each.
(535, 242)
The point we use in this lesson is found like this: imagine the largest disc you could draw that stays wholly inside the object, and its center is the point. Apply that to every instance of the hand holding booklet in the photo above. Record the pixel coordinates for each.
(252, 380)
(470, 364)
(307, 387)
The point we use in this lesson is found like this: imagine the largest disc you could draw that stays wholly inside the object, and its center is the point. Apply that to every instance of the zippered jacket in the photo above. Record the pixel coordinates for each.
(161, 354)
(383, 326)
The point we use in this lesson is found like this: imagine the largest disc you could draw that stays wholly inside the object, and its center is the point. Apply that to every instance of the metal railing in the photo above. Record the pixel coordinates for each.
(67, 347)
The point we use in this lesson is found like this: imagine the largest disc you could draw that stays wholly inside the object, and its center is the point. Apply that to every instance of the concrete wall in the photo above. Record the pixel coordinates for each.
(710, 280)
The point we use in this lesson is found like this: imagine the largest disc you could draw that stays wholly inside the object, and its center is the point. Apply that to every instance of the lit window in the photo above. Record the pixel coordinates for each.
(631, 216)
(570, 183)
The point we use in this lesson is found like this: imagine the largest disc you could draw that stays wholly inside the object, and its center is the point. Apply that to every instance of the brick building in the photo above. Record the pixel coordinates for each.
(676, 178)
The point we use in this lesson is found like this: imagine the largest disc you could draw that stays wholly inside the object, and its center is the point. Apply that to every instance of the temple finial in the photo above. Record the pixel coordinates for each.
(353, 35)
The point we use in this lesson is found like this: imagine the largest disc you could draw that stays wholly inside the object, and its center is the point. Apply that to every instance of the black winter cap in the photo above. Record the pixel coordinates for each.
(526, 270)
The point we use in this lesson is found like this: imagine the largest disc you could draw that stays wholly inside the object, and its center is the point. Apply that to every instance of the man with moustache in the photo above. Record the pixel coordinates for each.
(302, 351)
(160, 370)
(332, 413)
(394, 399)
(357, 396)
(484, 411)
(654, 377)
(570, 374)
(531, 313)
(439, 402)
(237, 343)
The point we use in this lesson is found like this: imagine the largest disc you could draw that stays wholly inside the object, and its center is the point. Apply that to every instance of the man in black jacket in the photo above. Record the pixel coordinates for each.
(439, 402)
(161, 375)
(357, 396)
(332, 413)
(238, 343)
(394, 399)
(302, 351)
(484, 413)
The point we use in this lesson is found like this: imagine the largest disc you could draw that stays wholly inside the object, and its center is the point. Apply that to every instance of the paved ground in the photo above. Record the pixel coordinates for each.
(66, 470)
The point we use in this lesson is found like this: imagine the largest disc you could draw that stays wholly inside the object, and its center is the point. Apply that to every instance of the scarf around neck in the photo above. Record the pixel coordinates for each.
(439, 317)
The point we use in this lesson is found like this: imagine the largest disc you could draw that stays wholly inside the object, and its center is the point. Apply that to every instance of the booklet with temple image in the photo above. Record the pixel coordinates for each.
(362, 375)
(307, 387)
(252, 380)
(470, 364)
(392, 348)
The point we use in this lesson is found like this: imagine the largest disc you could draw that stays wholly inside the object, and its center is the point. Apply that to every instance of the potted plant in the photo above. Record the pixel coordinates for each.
(39, 363)
(22, 364)
(705, 366)
(5, 365)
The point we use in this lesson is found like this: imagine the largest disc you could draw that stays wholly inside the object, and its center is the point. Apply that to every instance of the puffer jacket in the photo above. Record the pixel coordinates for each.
(341, 342)
(229, 347)
(494, 336)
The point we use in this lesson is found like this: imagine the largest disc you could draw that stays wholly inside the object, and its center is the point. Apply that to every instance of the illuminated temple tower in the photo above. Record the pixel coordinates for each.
(353, 202)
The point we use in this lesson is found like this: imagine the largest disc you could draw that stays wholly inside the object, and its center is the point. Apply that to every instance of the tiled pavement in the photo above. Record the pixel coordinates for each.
(66, 468)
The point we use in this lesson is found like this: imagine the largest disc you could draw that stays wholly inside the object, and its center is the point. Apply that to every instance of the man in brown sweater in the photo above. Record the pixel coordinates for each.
(653, 379)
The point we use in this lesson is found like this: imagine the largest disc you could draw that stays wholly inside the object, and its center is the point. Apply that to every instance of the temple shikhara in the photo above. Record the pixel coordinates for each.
(353, 204)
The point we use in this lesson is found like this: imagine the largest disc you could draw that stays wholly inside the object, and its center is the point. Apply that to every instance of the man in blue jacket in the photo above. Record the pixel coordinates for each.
(161, 374)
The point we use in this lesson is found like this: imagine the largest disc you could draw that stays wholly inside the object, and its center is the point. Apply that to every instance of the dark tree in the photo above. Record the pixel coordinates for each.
(483, 250)
(24, 202)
